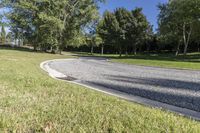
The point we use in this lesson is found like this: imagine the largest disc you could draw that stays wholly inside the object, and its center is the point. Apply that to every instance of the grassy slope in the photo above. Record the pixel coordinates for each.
(30, 101)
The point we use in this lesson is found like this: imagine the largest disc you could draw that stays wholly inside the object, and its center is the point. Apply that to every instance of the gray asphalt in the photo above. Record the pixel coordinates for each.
(175, 87)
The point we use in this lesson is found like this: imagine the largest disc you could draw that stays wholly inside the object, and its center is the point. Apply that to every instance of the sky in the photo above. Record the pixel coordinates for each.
(149, 7)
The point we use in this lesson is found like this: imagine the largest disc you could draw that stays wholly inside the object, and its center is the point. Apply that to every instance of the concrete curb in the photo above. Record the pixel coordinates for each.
(144, 101)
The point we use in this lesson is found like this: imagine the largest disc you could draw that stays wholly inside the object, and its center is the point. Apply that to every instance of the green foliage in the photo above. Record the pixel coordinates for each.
(108, 27)
(49, 23)
(140, 31)
(9, 37)
(125, 29)
(178, 20)
(3, 35)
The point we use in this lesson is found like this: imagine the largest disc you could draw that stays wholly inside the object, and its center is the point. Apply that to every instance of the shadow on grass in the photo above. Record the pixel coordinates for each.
(8, 47)
(23, 49)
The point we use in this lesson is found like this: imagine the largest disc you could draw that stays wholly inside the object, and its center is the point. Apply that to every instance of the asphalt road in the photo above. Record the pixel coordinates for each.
(175, 87)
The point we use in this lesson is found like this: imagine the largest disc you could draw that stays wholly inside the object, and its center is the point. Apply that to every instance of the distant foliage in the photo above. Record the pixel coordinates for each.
(179, 22)
(3, 35)
(49, 24)
(126, 30)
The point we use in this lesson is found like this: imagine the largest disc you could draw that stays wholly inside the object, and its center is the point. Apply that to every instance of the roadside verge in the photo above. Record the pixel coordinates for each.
(144, 101)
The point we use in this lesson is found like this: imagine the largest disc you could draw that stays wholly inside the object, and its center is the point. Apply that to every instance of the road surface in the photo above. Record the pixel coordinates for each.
(175, 87)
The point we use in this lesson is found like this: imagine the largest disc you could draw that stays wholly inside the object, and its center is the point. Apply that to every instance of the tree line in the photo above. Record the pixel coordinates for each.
(126, 30)
(76, 24)
(129, 31)
(49, 24)
(179, 24)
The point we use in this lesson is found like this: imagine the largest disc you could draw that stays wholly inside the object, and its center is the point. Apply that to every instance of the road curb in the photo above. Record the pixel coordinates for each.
(137, 99)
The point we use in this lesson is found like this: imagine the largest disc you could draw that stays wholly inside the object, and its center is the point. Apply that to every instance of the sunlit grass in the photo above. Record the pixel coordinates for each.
(31, 101)
(190, 61)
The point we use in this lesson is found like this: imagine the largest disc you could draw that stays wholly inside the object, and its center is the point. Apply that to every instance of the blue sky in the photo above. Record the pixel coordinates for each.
(149, 7)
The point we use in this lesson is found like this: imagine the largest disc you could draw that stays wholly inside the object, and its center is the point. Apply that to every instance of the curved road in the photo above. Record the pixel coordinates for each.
(175, 87)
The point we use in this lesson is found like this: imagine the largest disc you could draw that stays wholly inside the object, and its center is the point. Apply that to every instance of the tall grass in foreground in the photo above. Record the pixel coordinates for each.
(30, 101)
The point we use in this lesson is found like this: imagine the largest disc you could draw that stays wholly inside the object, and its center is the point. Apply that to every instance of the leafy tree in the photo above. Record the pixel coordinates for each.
(3, 35)
(9, 37)
(123, 17)
(103, 34)
(196, 35)
(139, 30)
(123, 28)
(91, 32)
(169, 32)
(178, 17)
(108, 30)
(49, 23)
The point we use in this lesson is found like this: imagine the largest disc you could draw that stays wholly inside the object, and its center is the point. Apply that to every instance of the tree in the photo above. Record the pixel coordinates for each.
(169, 32)
(148, 37)
(139, 29)
(91, 32)
(9, 37)
(102, 33)
(108, 30)
(196, 35)
(3, 35)
(98, 42)
(123, 28)
(123, 17)
(178, 17)
(49, 23)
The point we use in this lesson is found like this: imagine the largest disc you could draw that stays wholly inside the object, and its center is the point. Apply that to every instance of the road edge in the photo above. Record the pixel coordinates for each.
(136, 99)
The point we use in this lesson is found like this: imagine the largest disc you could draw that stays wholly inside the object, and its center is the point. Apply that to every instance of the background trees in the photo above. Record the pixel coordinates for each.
(49, 23)
(177, 21)
(3, 35)
(126, 30)
(55, 25)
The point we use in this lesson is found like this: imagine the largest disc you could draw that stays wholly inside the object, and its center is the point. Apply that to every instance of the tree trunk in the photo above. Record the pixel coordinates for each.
(120, 52)
(92, 49)
(178, 48)
(148, 46)
(186, 38)
(15, 41)
(102, 49)
(134, 50)
(19, 42)
(126, 52)
(140, 48)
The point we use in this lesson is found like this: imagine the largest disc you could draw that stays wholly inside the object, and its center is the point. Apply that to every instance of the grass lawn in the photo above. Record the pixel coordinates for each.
(31, 101)
(191, 61)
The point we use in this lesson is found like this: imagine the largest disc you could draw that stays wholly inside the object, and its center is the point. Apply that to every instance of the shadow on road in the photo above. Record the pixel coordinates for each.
(171, 97)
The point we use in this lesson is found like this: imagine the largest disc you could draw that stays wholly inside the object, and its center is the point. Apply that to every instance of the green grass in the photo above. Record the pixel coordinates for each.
(31, 101)
(191, 61)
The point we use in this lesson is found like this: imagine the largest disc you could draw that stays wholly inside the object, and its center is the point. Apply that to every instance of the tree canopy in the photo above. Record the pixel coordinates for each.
(178, 19)
(49, 23)
(124, 29)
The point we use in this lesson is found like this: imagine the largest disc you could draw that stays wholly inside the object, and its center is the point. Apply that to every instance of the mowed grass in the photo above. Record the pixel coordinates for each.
(31, 101)
(191, 61)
